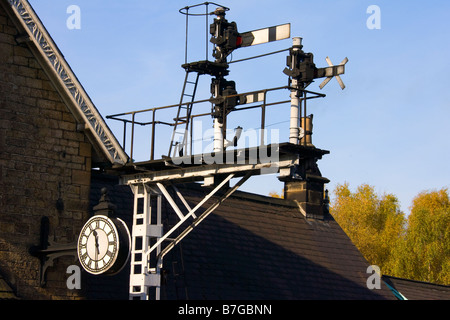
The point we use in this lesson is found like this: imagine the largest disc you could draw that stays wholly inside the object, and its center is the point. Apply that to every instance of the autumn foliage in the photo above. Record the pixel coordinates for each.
(415, 247)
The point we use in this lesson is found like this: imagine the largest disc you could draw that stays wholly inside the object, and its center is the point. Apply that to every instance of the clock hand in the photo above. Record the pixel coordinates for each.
(97, 251)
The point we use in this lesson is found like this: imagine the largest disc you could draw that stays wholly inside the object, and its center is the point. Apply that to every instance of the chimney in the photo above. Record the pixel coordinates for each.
(307, 126)
(306, 187)
(104, 206)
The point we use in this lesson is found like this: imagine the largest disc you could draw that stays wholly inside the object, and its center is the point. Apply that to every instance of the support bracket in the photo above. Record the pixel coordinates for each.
(47, 251)
(147, 248)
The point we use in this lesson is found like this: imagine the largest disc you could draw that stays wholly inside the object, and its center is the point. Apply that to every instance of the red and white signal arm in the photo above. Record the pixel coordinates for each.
(264, 35)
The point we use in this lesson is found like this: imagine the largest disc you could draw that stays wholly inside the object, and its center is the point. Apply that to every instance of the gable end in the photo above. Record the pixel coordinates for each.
(65, 81)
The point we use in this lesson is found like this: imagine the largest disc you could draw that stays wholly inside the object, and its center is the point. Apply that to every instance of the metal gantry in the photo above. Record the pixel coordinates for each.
(148, 236)
(151, 180)
(150, 242)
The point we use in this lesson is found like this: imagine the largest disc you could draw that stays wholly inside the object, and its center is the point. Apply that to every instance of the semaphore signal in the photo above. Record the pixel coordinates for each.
(294, 161)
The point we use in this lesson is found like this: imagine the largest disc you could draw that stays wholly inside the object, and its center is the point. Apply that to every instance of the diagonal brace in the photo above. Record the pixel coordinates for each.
(202, 217)
(191, 212)
(183, 200)
(170, 200)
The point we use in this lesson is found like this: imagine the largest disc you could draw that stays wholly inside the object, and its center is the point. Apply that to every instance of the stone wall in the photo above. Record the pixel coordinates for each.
(45, 166)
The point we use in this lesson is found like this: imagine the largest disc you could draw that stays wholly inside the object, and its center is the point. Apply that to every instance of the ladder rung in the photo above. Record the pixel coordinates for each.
(189, 95)
(191, 82)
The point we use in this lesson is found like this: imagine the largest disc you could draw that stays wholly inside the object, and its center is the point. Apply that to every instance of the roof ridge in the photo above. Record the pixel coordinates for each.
(246, 195)
(296, 210)
(418, 281)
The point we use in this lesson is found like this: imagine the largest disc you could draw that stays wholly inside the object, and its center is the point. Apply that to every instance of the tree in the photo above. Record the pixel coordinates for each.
(425, 253)
(374, 223)
(417, 247)
(274, 194)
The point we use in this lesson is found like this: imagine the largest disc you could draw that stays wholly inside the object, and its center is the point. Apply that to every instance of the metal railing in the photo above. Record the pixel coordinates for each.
(130, 119)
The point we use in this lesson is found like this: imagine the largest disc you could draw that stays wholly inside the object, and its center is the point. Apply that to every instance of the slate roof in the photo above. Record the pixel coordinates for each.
(418, 290)
(256, 247)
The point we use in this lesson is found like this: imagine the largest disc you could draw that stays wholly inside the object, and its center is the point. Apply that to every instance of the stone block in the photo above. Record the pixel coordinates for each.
(81, 177)
(85, 149)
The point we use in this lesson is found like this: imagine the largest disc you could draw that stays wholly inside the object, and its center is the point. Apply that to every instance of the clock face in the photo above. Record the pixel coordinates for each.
(98, 245)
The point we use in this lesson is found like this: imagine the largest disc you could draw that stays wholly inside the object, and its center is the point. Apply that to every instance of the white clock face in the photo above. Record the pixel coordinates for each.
(98, 245)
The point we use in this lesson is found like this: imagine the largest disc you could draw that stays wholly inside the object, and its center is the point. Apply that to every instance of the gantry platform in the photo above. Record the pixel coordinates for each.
(275, 158)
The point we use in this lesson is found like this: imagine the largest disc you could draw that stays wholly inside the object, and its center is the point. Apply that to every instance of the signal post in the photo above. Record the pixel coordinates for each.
(297, 158)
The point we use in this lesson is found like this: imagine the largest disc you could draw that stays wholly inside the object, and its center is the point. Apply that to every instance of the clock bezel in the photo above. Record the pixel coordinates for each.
(122, 244)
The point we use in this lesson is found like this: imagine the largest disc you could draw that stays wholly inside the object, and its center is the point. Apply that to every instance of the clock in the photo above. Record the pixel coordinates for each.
(104, 245)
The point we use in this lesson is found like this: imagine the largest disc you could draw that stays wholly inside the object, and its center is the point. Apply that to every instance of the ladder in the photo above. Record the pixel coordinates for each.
(145, 273)
(179, 136)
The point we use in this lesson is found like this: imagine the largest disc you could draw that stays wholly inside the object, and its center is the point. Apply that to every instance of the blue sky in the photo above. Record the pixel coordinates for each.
(389, 127)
